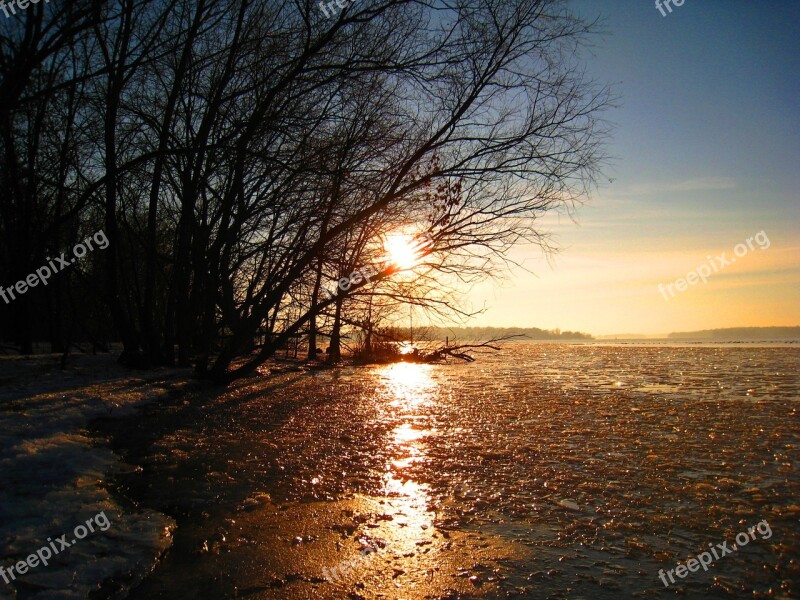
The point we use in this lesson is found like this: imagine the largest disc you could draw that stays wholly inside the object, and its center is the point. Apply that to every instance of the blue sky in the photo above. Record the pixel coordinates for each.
(706, 153)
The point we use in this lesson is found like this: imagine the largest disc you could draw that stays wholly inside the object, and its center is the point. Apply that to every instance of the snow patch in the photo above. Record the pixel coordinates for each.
(54, 475)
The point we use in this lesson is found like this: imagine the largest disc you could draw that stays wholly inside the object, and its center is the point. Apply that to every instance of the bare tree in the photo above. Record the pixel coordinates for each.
(459, 124)
(241, 157)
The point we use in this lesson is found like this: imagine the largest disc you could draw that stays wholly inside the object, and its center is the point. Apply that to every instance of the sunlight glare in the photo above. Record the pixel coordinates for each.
(406, 433)
(409, 383)
(403, 250)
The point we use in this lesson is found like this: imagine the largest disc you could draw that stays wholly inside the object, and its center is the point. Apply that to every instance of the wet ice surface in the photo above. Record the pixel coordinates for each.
(53, 473)
(545, 471)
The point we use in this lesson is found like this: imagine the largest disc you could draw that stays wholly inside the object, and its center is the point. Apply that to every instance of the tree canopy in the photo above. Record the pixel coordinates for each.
(242, 156)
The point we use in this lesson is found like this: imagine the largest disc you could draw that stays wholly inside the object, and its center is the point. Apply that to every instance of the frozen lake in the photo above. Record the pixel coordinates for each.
(543, 471)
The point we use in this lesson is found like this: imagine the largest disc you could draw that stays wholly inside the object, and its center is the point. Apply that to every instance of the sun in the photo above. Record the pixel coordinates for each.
(403, 250)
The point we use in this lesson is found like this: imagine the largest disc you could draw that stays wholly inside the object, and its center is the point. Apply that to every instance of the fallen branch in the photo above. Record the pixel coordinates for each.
(459, 350)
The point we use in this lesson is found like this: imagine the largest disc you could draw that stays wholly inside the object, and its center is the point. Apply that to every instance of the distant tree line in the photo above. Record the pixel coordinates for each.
(489, 333)
(240, 155)
(740, 333)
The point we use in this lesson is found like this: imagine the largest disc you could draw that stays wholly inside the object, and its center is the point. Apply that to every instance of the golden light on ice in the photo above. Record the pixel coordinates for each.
(406, 433)
(408, 383)
(407, 387)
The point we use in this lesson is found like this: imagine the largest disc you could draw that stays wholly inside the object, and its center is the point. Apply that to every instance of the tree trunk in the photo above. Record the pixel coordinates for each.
(336, 334)
(312, 323)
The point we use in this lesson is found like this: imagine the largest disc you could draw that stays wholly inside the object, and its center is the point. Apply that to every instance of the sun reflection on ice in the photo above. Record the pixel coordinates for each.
(406, 433)
(408, 387)
(409, 384)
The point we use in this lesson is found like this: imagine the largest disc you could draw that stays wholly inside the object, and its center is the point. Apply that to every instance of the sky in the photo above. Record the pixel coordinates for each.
(705, 154)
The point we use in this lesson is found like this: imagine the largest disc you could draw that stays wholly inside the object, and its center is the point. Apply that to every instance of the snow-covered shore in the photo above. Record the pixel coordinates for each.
(53, 475)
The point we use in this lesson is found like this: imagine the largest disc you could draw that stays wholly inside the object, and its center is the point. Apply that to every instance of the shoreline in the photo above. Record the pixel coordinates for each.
(56, 474)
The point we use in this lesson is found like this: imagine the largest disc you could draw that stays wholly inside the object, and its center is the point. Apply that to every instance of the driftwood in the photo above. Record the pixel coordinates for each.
(458, 351)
